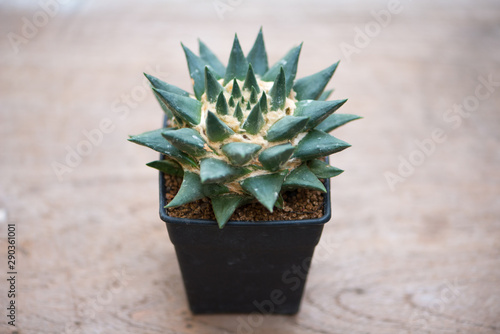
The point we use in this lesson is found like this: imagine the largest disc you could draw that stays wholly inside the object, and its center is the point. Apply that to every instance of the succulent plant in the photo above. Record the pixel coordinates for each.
(249, 132)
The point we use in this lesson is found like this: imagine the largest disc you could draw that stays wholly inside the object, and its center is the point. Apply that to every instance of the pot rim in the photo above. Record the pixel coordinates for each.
(314, 221)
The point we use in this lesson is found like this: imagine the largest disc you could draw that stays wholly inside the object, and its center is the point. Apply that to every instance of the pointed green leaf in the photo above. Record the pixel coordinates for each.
(251, 80)
(212, 86)
(240, 153)
(278, 92)
(216, 129)
(154, 140)
(164, 107)
(167, 166)
(265, 188)
(263, 103)
(317, 111)
(302, 177)
(236, 91)
(196, 68)
(253, 96)
(189, 191)
(230, 102)
(238, 113)
(258, 55)
(249, 106)
(218, 171)
(187, 140)
(224, 207)
(286, 128)
(289, 63)
(334, 121)
(273, 158)
(255, 121)
(185, 108)
(162, 85)
(318, 144)
(311, 87)
(211, 59)
(323, 170)
(325, 95)
(237, 64)
(221, 106)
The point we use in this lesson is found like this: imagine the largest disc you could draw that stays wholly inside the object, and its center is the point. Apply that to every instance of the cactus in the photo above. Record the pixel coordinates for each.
(249, 132)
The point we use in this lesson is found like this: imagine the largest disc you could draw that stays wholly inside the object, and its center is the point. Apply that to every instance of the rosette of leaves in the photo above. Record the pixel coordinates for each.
(249, 131)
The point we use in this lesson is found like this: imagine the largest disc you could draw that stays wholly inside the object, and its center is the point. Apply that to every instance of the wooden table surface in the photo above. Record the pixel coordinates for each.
(414, 242)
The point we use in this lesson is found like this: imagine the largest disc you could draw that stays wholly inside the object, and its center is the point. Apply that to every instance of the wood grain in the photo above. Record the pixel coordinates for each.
(423, 257)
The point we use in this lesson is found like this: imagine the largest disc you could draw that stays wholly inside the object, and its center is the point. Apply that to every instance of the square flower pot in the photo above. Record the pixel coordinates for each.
(248, 266)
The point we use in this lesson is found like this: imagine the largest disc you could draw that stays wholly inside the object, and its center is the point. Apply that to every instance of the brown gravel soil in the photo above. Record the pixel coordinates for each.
(298, 204)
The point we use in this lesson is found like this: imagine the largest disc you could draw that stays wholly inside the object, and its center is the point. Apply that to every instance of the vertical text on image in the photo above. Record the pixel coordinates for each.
(11, 274)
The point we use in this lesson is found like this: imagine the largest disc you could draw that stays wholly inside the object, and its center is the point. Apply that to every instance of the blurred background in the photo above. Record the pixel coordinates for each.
(414, 242)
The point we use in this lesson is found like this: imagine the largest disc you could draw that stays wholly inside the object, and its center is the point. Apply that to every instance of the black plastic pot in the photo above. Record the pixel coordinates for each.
(246, 266)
